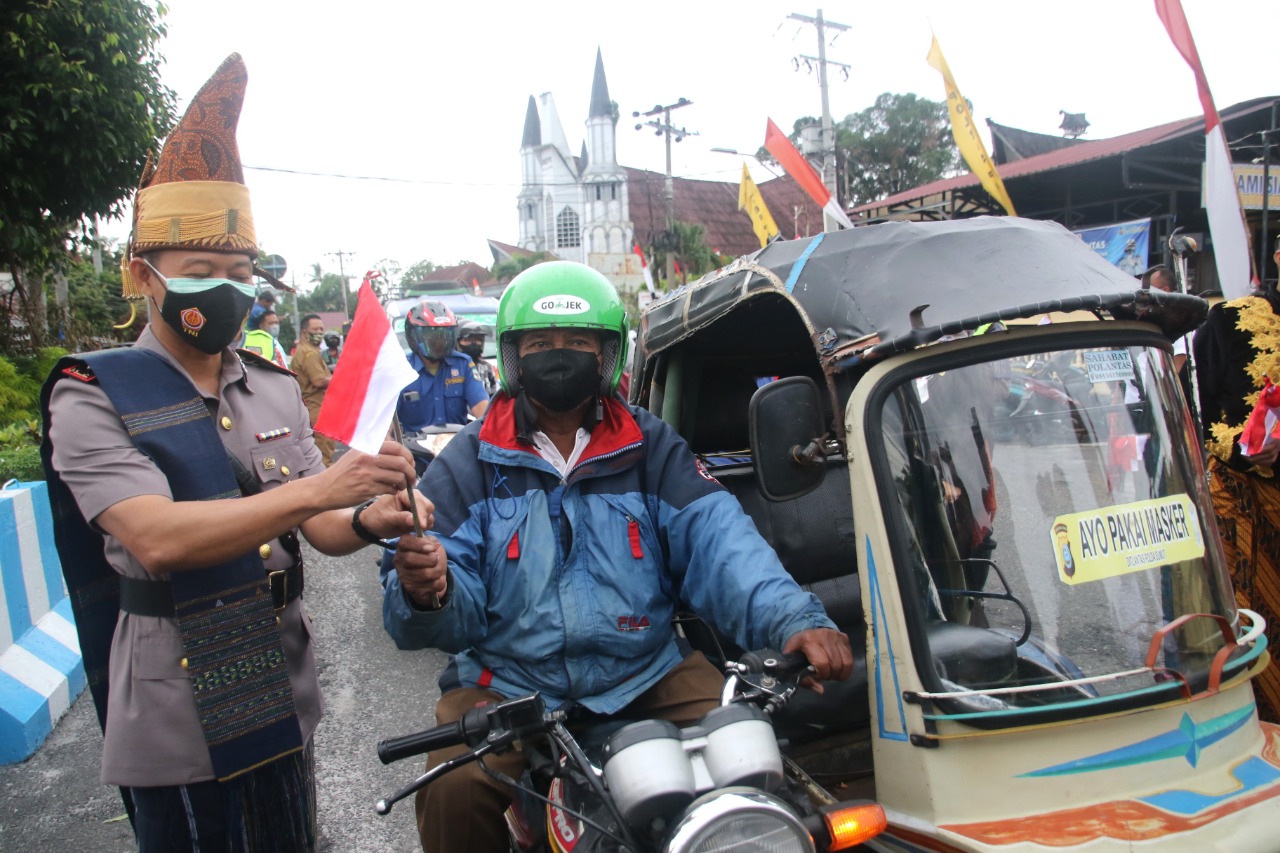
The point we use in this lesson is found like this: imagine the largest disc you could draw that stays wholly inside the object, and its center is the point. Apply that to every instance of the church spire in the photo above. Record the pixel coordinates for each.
(532, 126)
(600, 104)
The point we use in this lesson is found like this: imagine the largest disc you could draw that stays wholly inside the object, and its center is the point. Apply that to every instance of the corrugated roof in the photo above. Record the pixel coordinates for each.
(1084, 152)
(714, 206)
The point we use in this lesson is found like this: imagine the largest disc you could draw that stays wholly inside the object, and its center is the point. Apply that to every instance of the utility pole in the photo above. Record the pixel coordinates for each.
(342, 274)
(828, 129)
(661, 128)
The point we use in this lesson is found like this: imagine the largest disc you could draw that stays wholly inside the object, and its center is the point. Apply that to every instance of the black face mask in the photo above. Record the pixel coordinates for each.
(473, 350)
(209, 320)
(560, 379)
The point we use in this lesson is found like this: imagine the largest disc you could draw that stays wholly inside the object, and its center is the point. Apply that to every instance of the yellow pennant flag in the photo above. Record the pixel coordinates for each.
(966, 134)
(750, 200)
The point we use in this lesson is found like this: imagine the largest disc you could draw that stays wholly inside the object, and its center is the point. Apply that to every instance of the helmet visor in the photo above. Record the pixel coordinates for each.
(432, 343)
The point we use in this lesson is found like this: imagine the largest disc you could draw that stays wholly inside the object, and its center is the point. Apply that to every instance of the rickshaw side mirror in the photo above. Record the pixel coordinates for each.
(785, 419)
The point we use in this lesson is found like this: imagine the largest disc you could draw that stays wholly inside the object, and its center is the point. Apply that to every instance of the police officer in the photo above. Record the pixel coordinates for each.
(446, 389)
(471, 342)
(182, 472)
(264, 339)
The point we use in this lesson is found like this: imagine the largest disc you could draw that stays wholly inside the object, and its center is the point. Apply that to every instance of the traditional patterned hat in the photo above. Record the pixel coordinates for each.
(194, 195)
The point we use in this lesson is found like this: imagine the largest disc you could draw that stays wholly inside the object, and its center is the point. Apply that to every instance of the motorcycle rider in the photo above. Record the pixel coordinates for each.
(445, 389)
(333, 348)
(571, 527)
(471, 342)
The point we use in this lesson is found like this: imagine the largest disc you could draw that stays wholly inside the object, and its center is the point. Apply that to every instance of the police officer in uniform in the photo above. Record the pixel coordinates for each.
(181, 472)
(446, 389)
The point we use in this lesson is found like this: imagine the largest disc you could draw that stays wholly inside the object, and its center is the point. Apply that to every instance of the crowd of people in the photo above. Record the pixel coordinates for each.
(176, 469)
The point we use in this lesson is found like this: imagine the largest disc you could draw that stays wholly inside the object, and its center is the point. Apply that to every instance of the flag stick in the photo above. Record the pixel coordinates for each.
(397, 434)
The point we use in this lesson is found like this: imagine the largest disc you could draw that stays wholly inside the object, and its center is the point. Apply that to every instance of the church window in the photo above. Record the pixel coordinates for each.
(597, 192)
(528, 211)
(568, 229)
(613, 192)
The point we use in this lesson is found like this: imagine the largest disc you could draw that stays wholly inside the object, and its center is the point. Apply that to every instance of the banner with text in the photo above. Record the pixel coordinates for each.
(1125, 244)
(1115, 540)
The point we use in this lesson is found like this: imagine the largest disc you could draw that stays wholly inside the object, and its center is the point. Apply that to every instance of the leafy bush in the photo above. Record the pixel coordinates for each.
(22, 463)
(20, 381)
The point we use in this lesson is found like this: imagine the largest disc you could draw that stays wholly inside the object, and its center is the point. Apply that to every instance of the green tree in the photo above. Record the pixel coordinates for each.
(83, 104)
(96, 307)
(899, 142)
(416, 272)
(687, 243)
(506, 270)
(325, 296)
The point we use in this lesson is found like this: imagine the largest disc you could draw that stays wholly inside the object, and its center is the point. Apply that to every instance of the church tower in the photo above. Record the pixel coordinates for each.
(577, 207)
(606, 225)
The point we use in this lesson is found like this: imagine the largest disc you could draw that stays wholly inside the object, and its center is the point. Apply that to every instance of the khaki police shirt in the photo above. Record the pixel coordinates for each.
(309, 365)
(153, 734)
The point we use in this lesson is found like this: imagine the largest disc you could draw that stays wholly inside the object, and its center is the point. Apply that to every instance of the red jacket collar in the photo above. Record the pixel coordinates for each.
(618, 428)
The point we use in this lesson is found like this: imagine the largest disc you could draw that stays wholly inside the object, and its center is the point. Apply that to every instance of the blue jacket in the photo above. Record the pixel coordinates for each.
(444, 398)
(568, 586)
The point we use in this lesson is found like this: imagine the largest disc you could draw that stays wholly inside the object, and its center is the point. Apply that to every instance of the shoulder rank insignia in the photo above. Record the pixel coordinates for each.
(80, 371)
(271, 435)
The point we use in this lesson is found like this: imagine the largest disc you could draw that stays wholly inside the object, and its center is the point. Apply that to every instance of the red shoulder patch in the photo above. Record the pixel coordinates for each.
(703, 472)
(80, 371)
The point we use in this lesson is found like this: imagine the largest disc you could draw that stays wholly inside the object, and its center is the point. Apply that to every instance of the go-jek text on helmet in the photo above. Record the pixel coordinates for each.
(561, 295)
(431, 330)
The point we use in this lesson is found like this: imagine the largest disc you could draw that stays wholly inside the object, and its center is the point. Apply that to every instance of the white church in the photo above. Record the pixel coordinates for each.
(577, 208)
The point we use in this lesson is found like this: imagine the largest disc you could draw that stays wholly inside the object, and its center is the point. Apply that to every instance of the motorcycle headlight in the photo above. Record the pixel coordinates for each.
(742, 820)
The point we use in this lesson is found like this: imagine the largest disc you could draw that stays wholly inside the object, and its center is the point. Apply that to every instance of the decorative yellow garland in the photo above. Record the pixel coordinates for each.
(1254, 317)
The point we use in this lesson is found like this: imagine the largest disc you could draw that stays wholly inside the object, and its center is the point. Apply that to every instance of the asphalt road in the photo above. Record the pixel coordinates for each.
(371, 690)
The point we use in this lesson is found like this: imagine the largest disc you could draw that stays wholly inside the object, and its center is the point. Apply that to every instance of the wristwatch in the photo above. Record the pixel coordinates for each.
(363, 532)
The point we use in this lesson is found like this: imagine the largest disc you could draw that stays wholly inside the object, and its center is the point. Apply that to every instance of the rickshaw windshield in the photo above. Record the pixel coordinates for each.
(1053, 519)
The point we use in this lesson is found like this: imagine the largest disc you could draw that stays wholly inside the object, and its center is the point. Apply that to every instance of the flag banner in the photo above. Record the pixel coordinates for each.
(1221, 200)
(1125, 244)
(750, 200)
(644, 268)
(366, 384)
(966, 133)
(793, 162)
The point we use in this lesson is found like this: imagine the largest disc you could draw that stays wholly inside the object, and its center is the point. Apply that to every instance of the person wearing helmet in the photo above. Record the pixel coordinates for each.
(445, 390)
(262, 338)
(333, 347)
(569, 529)
(471, 343)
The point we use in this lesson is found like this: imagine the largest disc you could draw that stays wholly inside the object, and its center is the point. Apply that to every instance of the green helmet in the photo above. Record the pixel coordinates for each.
(561, 295)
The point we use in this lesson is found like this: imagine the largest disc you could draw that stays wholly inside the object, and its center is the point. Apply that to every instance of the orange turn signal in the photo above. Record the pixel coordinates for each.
(852, 824)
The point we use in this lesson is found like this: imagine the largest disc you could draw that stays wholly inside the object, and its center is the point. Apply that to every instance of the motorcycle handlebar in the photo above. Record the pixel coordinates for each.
(775, 663)
(471, 728)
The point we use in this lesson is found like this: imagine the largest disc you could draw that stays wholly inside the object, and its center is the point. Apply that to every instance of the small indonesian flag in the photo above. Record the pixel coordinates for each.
(804, 174)
(367, 382)
(1263, 426)
(1221, 200)
(644, 267)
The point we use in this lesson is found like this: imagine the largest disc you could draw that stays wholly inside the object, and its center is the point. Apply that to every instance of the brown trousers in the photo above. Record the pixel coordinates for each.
(323, 443)
(463, 809)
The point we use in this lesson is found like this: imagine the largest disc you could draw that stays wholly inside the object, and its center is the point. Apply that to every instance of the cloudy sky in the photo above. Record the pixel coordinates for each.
(421, 104)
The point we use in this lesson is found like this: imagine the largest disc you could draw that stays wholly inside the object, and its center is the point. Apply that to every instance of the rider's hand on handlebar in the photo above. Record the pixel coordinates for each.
(828, 652)
(422, 566)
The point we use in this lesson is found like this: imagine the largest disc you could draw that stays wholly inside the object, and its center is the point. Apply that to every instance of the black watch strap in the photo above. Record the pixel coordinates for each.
(363, 532)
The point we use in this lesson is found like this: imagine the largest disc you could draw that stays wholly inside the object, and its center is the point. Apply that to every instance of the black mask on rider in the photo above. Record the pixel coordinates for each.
(473, 350)
(560, 379)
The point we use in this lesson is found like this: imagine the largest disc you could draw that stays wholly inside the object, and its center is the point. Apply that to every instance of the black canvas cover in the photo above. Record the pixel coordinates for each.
(884, 288)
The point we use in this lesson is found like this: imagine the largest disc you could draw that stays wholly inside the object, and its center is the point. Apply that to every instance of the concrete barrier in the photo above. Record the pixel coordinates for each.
(41, 672)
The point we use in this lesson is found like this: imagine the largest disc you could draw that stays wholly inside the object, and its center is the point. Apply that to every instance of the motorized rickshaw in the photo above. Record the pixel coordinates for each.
(1054, 656)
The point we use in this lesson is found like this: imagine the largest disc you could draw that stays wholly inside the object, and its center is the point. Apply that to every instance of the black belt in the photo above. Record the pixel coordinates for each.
(155, 598)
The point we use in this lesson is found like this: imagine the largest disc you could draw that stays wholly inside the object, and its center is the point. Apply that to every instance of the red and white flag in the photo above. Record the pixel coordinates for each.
(804, 174)
(1263, 426)
(644, 268)
(367, 382)
(1222, 202)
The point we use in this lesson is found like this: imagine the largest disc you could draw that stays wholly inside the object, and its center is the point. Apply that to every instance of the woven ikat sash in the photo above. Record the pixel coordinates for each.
(229, 630)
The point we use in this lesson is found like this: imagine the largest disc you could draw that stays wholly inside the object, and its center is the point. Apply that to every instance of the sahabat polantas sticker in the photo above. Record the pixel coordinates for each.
(1115, 540)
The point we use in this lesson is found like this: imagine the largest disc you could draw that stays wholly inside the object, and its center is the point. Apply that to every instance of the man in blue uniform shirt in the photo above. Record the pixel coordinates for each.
(446, 389)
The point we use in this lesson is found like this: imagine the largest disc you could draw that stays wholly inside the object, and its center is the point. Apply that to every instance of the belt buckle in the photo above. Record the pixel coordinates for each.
(283, 597)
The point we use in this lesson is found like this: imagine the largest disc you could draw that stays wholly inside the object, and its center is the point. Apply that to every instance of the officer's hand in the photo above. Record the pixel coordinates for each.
(357, 476)
(1265, 457)
(422, 566)
(828, 652)
(392, 515)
